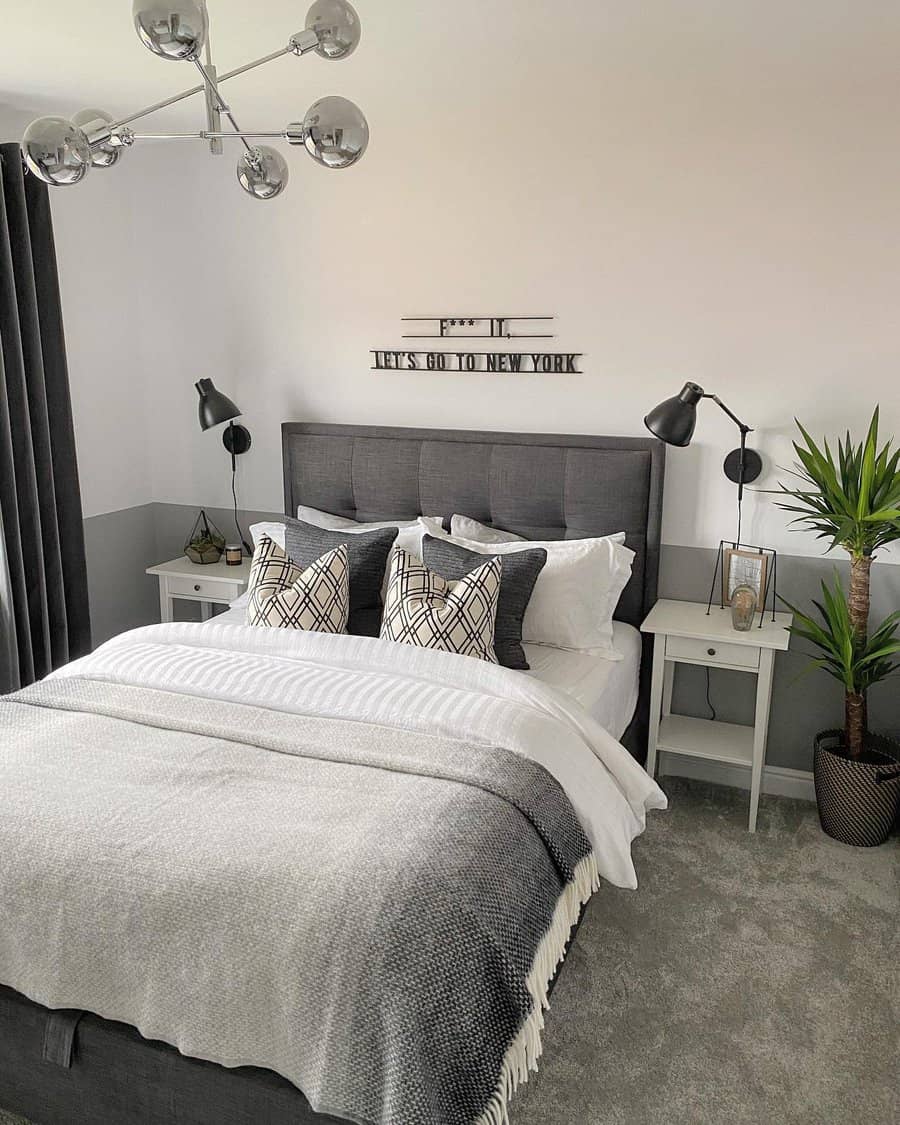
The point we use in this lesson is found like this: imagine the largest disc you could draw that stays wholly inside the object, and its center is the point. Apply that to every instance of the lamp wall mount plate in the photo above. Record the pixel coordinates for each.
(334, 132)
(752, 467)
(236, 439)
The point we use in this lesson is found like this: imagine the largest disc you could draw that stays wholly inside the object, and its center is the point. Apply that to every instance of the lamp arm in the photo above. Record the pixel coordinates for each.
(742, 426)
(742, 462)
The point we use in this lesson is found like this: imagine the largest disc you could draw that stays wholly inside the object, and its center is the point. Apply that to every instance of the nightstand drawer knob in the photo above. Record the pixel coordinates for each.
(197, 588)
(710, 652)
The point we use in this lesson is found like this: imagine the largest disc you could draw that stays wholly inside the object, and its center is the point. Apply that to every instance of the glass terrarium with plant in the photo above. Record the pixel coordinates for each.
(206, 542)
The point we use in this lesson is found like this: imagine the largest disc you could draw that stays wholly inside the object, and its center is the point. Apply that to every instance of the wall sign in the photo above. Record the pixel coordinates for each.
(498, 328)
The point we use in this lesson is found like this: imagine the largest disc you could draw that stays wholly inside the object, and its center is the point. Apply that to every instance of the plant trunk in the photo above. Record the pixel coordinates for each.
(855, 719)
(858, 602)
(857, 716)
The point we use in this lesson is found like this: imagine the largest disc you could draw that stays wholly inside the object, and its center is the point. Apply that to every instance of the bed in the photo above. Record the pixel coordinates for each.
(607, 689)
(61, 1064)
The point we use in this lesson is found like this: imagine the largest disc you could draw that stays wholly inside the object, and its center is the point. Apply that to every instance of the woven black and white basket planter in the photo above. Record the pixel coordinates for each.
(858, 798)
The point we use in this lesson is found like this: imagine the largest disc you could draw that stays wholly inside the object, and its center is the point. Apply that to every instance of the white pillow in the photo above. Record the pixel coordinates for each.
(464, 527)
(330, 522)
(409, 537)
(467, 528)
(576, 592)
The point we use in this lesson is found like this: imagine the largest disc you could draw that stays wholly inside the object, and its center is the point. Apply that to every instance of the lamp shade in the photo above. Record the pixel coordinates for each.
(215, 407)
(673, 421)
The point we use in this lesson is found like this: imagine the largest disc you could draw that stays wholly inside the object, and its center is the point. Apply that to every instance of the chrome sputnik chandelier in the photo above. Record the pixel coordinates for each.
(334, 131)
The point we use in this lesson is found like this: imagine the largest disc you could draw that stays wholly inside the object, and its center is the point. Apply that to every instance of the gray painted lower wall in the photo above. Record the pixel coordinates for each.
(121, 545)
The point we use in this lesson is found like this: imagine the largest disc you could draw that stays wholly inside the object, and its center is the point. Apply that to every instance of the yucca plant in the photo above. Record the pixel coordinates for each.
(853, 501)
(856, 661)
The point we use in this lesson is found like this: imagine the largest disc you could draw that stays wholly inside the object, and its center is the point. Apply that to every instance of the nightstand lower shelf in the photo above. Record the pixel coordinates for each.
(706, 738)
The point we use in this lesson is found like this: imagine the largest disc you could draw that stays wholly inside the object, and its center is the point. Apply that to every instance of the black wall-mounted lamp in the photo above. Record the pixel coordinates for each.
(216, 408)
(673, 422)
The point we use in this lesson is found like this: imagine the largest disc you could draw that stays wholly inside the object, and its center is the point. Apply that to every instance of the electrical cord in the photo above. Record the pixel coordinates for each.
(247, 548)
(708, 700)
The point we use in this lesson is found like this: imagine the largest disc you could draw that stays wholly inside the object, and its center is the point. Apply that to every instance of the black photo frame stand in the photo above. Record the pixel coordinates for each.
(771, 576)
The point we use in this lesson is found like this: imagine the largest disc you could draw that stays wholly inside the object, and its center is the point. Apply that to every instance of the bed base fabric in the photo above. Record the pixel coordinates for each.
(118, 1077)
(114, 1076)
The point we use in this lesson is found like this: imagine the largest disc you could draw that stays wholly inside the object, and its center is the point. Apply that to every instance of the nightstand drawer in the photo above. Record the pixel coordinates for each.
(203, 589)
(696, 651)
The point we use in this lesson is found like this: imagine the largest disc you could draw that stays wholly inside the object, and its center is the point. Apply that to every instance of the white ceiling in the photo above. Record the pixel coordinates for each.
(64, 55)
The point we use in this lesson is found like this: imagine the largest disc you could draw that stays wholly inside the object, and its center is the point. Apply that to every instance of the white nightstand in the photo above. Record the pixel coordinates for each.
(214, 584)
(686, 634)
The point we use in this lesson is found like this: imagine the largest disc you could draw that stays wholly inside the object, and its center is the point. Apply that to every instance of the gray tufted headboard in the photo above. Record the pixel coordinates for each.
(542, 486)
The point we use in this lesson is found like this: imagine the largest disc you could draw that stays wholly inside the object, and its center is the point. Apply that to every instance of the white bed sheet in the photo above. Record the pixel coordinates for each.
(606, 689)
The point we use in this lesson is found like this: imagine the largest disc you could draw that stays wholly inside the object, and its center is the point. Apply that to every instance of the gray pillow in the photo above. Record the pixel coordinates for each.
(367, 555)
(519, 573)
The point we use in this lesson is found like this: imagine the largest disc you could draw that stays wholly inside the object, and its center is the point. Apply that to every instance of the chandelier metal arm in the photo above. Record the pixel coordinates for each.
(127, 137)
(213, 116)
(289, 49)
(213, 93)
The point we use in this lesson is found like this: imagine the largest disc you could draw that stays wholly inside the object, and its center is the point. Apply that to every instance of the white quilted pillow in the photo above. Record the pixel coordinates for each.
(425, 610)
(282, 596)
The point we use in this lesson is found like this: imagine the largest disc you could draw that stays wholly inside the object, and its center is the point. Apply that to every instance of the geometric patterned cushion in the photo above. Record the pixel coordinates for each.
(284, 597)
(424, 609)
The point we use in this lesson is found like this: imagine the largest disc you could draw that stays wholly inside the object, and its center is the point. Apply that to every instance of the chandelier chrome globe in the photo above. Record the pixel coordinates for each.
(334, 131)
(263, 172)
(172, 29)
(56, 151)
(92, 122)
(337, 26)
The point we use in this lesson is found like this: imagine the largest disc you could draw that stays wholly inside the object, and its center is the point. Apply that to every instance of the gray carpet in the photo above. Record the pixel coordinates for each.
(751, 979)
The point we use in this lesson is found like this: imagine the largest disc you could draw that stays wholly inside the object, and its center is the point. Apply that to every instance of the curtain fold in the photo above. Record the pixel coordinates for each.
(43, 578)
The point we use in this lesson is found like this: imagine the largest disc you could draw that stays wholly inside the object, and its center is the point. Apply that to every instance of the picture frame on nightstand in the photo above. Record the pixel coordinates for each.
(741, 567)
(745, 564)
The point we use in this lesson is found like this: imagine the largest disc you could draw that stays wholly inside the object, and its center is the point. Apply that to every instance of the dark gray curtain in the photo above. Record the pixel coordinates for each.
(43, 582)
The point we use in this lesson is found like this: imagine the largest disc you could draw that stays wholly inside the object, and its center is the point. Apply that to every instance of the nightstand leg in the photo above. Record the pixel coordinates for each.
(668, 685)
(656, 700)
(760, 729)
(165, 604)
(206, 611)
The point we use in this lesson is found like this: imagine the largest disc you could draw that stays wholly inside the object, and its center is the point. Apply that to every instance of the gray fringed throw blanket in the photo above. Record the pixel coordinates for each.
(372, 913)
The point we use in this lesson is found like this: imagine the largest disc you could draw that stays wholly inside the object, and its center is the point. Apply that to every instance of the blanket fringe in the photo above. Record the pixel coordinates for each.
(525, 1050)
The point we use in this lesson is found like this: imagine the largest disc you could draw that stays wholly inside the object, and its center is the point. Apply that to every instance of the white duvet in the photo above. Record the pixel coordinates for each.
(375, 681)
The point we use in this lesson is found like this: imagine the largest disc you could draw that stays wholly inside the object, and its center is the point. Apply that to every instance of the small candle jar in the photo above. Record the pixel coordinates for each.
(743, 608)
(234, 554)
